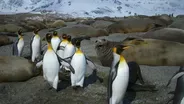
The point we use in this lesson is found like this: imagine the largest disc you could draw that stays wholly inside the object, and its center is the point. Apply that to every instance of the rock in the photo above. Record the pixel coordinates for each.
(4, 40)
(14, 69)
(82, 30)
(9, 28)
(58, 23)
(178, 23)
(101, 24)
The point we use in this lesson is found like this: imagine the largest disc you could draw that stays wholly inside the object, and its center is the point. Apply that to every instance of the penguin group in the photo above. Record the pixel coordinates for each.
(65, 54)
(60, 55)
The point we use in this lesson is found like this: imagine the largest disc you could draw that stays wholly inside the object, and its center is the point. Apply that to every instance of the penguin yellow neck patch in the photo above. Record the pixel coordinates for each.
(20, 37)
(114, 49)
(79, 51)
(49, 47)
(37, 35)
(64, 40)
(55, 37)
(122, 59)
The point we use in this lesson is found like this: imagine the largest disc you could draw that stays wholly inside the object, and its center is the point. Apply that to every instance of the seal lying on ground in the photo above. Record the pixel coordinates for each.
(169, 34)
(15, 69)
(144, 51)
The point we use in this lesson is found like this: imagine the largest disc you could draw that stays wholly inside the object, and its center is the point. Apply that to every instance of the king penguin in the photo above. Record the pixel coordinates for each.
(118, 77)
(178, 97)
(18, 46)
(78, 62)
(69, 49)
(35, 46)
(51, 64)
(62, 45)
(55, 41)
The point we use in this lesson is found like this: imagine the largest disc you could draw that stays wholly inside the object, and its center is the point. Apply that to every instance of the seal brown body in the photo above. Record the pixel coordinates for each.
(15, 69)
(146, 52)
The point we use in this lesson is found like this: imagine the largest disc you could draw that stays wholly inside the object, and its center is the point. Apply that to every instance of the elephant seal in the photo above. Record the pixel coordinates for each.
(179, 90)
(16, 69)
(151, 52)
(168, 34)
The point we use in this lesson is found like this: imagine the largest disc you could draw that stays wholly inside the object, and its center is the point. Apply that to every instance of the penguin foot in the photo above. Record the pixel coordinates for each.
(57, 90)
(47, 85)
(77, 88)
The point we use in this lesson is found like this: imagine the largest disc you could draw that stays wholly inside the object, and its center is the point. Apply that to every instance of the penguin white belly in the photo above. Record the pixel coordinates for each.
(120, 84)
(35, 48)
(20, 46)
(69, 50)
(78, 62)
(60, 52)
(55, 43)
(51, 68)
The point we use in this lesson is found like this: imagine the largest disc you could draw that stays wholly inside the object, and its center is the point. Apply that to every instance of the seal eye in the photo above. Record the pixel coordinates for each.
(96, 41)
(103, 40)
(100, 46)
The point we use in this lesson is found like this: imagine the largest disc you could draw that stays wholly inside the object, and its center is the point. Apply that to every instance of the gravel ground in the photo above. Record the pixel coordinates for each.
(34, 91)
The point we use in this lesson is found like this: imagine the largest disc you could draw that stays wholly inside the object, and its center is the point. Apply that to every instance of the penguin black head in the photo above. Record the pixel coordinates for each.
(20, 32)
(64, 36)
(69, 38)
(119, 49)
(77, 43)
(55, 33)
(48, 37)
(36, 31)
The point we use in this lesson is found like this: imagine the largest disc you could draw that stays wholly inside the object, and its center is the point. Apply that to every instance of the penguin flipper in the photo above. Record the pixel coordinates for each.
(43, 49)
(15, 49)
(176, 75)
(39, 64)
(66, 63)
(31, 51)
(112, 76)
(90, 63)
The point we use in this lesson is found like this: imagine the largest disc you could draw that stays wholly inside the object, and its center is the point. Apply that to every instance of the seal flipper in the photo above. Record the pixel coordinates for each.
(170, 100)
(176, 75)
(171, 92)
(140, 76)
(90, 63)
(137, 87)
